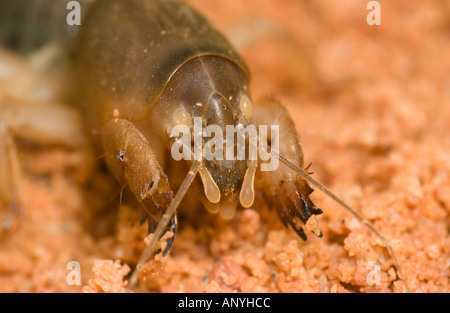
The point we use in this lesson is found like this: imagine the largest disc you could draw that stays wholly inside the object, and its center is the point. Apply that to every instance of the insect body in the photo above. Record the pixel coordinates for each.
(174, 66)
(149, 67)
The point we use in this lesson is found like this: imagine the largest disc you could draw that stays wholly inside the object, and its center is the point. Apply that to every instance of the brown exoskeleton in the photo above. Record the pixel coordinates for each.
(149, 66)
(174, 66)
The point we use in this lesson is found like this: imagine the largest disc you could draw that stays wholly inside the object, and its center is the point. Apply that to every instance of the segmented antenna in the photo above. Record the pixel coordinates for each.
(190, 178)
(165, 221)
(329, 193)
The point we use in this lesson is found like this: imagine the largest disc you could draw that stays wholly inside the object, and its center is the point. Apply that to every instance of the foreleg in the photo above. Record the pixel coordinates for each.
(283, 188)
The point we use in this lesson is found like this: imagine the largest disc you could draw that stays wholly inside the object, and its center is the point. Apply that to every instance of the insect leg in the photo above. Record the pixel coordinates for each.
(134, 162)
(44, 124)
(168, 215)
(295, 168)
(10, 200)
(285, 189)
(172, 227)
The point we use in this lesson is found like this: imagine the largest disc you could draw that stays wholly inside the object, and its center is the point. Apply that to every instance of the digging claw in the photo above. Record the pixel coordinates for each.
(172, 228)
(296, 208)
(300, 232)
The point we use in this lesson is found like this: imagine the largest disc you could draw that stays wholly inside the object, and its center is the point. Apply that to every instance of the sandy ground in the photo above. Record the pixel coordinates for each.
(372, 107)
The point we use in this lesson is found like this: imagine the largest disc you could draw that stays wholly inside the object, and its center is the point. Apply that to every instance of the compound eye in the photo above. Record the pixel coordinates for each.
(246, 106)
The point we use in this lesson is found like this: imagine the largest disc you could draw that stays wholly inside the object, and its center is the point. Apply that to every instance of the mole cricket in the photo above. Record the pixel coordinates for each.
(150, 66)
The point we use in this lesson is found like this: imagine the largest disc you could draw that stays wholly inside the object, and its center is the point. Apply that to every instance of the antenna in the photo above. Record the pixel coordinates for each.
(329, 193)
(165, 221)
